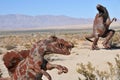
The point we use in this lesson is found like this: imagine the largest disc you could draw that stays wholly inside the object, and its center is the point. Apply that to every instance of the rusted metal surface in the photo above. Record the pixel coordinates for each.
(31, 65)
(101, 25)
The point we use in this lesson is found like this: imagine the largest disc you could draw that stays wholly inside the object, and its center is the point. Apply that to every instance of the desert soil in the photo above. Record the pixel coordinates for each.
(82, 54)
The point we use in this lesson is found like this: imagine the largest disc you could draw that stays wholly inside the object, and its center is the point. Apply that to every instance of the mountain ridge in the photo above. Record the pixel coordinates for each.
(14, 21)
(21, 21)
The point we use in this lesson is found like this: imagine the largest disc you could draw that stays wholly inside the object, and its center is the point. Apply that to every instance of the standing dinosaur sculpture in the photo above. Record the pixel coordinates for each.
(33, 65)
(101, 28)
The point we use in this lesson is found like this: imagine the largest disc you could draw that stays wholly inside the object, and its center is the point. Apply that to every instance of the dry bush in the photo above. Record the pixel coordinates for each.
(28, 45)
(91, 73)
(116, 37)
(87, 71)
(117, 60)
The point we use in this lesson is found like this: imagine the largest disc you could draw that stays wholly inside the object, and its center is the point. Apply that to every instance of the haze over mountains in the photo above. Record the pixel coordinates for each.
(16, 21)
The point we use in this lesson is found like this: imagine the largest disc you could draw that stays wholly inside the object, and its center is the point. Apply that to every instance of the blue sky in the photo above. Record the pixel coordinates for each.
(73, 8)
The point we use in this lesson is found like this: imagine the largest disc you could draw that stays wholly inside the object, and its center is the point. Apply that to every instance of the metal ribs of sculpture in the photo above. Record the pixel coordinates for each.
(101, 28)
(34, 65)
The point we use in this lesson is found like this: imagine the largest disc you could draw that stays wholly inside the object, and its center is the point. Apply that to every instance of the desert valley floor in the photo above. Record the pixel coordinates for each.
(100, 61)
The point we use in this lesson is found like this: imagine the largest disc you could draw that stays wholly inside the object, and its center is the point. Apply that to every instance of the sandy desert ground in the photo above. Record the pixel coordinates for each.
(101, 60)
(82, 54)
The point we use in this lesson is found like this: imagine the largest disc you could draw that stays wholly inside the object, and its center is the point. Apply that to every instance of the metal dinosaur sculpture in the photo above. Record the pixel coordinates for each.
(101, 28)
(33, 65)
(12, 58)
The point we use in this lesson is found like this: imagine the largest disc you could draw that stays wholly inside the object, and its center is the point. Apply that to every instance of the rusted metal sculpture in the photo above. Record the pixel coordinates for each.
(33, 66)
(12, 58)
(101, 28)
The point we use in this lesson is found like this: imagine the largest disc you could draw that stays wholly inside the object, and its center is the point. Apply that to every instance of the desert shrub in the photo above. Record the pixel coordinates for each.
(117, 60)
(91, 73)
(116, 37)
(87, 71)
(28, 45)
(112, 70)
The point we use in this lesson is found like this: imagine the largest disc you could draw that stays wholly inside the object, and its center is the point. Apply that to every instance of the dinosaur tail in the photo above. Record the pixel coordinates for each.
(89, 39)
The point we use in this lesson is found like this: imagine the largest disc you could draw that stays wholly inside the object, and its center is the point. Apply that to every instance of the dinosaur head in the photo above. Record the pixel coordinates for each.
(57, 45)
(101, 9)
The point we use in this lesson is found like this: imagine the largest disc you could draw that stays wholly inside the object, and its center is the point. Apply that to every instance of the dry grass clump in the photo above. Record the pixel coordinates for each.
(91, 73)
(116, 40)
(87, 71)
(116, 37)
(117, 60)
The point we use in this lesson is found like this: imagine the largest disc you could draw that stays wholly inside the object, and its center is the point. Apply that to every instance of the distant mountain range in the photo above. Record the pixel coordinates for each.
(16, 21)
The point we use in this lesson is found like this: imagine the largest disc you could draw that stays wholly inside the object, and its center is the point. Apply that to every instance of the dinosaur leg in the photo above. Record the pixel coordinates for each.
(94, 45)
(45, 74)
(62, 69)
(108, 37)
(88, 37)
